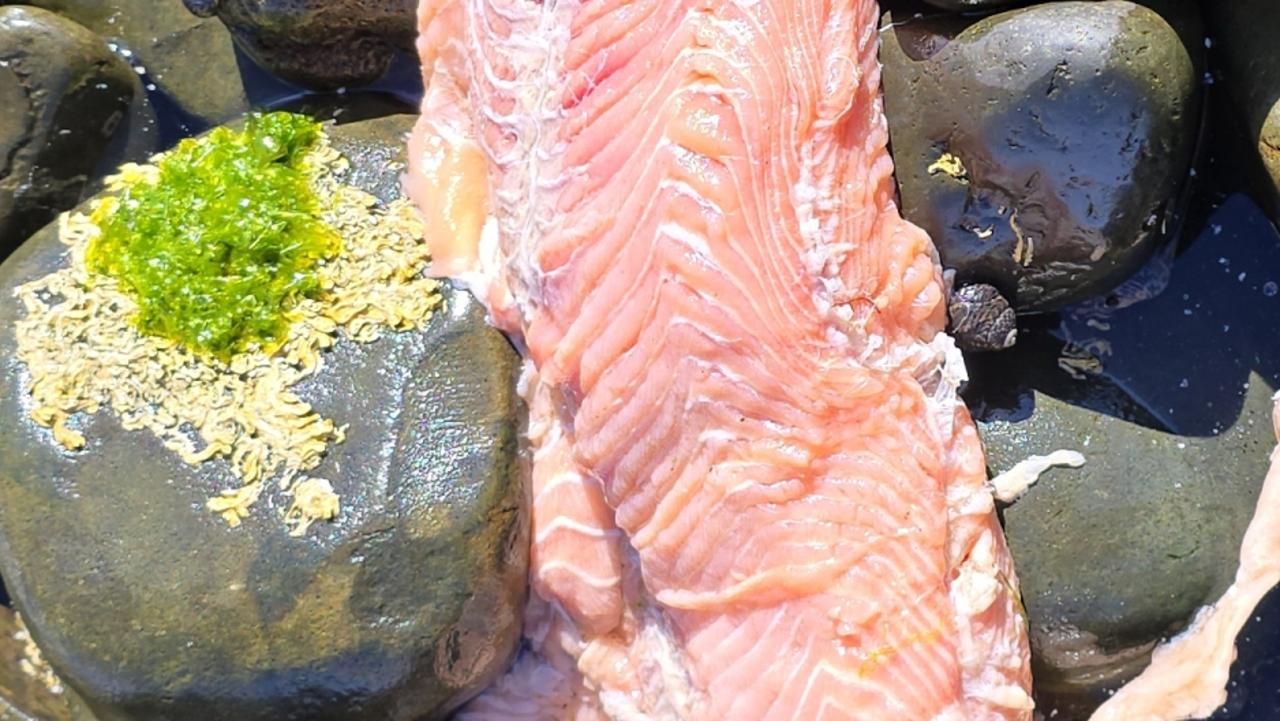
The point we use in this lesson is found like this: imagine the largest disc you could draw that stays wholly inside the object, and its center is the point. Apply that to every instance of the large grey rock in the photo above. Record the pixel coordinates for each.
(322, 44)
(152, 609)
(1042, 147)
(1121, 553)
(1246, 32)
(1169, 400)
(63, 95)
(191, 60)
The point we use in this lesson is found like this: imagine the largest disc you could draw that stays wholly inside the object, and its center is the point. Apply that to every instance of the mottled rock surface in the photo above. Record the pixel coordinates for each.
(152, 609)
(63, 95)
(1169, 400)
(1042, 148)
(322, 44)
(981, 319)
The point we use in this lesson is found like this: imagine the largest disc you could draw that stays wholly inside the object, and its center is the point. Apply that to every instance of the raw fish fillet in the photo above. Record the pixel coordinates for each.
(756, 494)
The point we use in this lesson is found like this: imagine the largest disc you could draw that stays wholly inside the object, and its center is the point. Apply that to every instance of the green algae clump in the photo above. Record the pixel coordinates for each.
(222, 241)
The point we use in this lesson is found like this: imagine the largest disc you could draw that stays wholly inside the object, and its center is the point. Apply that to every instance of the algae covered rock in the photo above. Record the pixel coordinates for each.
(63, 95)
(400, 606)
(1042, 148)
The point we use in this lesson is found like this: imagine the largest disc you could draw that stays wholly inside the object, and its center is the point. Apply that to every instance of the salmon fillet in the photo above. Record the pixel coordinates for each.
(755, 492)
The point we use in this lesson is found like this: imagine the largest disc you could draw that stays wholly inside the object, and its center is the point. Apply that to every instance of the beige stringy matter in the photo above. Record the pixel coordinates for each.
(84, 354)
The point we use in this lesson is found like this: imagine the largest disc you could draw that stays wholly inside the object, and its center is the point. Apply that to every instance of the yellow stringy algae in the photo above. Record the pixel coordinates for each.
(84, 354)
(951, 166)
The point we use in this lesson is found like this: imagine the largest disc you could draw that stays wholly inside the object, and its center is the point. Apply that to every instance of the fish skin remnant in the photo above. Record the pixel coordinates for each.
(1010, 485)
(757, 495)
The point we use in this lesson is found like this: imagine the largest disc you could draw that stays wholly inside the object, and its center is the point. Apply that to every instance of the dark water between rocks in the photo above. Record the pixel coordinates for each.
(1176, 362)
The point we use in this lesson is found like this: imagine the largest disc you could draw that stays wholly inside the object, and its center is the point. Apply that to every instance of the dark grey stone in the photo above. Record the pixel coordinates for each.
(1064, 130)
(191, 60)
(63, 95)
(410, 601)
(322, 44)
(1122, 552)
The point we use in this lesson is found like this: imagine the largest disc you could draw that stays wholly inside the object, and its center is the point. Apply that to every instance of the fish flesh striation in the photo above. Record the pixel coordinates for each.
(756, 494)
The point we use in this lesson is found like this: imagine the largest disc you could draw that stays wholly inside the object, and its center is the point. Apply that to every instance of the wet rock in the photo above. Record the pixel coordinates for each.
(1042, 147)
(1245, 32)
(1169, 399)
(192, 61)
(981, 319)
(63, 95)
(377, 164)
(322, 44)
(151, 608)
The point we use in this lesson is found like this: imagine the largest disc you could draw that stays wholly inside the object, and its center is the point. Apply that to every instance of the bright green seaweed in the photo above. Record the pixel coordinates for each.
(226, 242)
